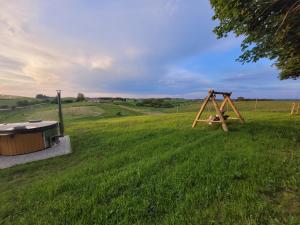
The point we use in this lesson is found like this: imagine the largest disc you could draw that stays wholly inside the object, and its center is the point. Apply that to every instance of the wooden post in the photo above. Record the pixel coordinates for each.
(223, 103)
(293, 108)
(201, 110)
(235, 109)
(224, 125)
(255, 105)
(60, 115)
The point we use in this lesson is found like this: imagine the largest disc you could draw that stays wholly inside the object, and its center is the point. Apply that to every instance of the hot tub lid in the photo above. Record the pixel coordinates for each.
(27, 127)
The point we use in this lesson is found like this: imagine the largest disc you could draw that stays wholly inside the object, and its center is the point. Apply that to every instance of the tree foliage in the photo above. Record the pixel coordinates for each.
(42, 96)
(271, 29)
(80, 97)
(155, 102)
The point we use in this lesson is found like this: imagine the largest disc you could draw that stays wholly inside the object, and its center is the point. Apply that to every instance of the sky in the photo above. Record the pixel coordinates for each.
(127, 48)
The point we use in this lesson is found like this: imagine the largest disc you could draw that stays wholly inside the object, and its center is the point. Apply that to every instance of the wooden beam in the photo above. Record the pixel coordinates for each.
(221, 93)
(214, 121)
(223, 103)
(201, 111)
(293, 108)
(235, 109)
(224, 125)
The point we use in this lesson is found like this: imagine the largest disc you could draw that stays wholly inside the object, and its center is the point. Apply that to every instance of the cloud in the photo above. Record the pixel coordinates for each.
(100, 45)
(130, 47)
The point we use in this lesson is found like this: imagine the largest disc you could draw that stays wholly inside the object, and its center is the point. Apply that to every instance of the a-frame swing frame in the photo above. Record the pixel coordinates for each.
(219, 110)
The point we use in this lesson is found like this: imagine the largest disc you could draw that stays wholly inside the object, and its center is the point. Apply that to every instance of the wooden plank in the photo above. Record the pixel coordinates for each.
(208, 121)
(224, 125)
(221, 93)
(235, 109)
(215, 121)
(21, 143)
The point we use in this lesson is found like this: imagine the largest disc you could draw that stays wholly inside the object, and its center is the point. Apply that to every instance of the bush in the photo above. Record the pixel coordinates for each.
(4, 106)
(41, 96)
(23, 103)
(54, 100)
(67, 101)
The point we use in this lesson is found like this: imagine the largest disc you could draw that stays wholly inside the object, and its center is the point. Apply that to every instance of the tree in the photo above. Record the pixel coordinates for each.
(24, 102)
(270, 27)
(80, 97)
(41, 96)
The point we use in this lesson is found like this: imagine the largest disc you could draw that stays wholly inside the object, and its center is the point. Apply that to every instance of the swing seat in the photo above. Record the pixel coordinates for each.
(215, 119)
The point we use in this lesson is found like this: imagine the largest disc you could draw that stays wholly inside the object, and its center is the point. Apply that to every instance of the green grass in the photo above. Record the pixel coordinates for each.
(156, 169)
(73, 111)
(262, 106)
(12, 100)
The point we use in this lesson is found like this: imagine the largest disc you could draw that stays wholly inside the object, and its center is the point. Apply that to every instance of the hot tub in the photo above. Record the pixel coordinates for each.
(32, 136)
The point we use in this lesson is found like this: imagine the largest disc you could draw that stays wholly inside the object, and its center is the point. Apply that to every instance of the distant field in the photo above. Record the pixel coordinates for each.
(79, 110)
(11, 97)
(12, 101)
(261, 106)
(69, 112)
(141, 165)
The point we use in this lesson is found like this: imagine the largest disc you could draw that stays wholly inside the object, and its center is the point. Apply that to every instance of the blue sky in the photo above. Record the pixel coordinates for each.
(130, 48)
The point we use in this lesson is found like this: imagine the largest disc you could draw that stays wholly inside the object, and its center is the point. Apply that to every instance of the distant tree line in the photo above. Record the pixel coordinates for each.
(254, 99)
(155, 102)
(41, 96)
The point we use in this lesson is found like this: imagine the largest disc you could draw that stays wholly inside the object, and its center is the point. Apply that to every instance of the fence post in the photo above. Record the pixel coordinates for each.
(255, 105)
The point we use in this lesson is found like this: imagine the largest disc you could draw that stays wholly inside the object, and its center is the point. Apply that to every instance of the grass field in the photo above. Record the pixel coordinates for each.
(154, 169)
(9, 100)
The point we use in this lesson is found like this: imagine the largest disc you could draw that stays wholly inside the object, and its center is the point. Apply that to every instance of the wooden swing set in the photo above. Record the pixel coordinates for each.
(220, 117)
(295, 110)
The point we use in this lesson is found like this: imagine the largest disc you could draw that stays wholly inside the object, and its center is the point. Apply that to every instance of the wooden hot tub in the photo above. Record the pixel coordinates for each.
(22, 138)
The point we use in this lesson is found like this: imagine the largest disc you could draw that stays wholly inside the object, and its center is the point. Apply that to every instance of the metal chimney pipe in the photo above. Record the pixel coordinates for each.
(60, 115)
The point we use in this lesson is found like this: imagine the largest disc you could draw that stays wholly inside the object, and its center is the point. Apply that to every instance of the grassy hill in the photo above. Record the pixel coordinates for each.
(11, 100)
(155, 169)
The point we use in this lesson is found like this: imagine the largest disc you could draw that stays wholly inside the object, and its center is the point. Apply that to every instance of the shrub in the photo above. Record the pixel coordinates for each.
(23, 103)
(41, 96)
(67, 101)
(4, 106)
